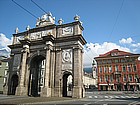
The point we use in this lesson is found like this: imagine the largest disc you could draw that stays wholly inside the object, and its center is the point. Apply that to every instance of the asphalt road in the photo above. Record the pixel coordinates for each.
(92, 98)
(102, 99)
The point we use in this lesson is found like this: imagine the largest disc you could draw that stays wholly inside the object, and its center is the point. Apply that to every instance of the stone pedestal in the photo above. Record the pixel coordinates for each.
(46, 92)
(21, 90)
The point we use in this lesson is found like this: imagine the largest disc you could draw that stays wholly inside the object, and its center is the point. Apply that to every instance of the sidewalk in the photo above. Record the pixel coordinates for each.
(25, 100)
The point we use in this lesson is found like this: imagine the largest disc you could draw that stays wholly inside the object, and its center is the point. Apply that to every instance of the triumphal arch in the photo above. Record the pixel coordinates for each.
(47, 60)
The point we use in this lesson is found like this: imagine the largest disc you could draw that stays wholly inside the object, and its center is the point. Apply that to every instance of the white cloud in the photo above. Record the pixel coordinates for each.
(126, 41)
(94, 50)
(136, 45)
(4, 41)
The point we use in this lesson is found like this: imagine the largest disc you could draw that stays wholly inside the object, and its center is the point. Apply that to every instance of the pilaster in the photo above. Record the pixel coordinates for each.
(77, 74)
(58, 75)
(47, 89)
(21, 89)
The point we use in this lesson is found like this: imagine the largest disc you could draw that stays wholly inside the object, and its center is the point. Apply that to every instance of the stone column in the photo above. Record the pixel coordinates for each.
(82, 73)
(46, 89)
(77, 74)
(21, 89)
(52, 69)
(58, 75)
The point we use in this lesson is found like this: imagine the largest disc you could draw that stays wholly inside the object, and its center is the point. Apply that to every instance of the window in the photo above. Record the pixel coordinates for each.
(134, 68)
(6, 64)
(101, 80)
(106, 78)
(111, 78)
(110, 68)
(122, 60)
(124, 68)
(130, 77)
(124, 78)
(5, 73)
(105, 69)
(116, 68)
(109, 61)
(104, 61)
(99, 62)
(129, 68)
(100, 69)
(136, 78)
(116, 60)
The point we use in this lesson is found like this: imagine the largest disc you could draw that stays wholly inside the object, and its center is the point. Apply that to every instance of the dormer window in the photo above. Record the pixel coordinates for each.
(114, 53)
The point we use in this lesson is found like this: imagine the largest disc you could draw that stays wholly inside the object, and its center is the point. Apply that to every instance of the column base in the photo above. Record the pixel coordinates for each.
(78, 92)
(5, 90)
(21, 91)
(46, 92)
(57, 92)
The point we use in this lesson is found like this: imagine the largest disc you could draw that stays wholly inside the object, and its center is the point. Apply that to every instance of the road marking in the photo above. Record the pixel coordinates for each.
(116, 97)
(106, 97)
(127, 96)
(134, 97)
(122, 97)
(95, 96)
(133, 103)
(111, 96)
(89, 97)
(137, 103)
(88, 103)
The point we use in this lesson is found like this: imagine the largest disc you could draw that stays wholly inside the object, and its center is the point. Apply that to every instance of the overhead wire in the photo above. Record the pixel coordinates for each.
(38, 6)
(116, 19)
(119, 12)
(25, 9)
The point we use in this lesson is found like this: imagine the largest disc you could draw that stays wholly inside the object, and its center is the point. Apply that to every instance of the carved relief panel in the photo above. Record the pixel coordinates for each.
(16, 62)
(67, 59)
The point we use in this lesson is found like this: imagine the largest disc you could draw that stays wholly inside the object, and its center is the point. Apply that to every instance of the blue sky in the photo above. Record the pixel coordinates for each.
(107, 23)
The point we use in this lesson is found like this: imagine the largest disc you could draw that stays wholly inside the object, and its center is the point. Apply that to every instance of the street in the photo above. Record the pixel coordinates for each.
(95, 98)
(92, 98)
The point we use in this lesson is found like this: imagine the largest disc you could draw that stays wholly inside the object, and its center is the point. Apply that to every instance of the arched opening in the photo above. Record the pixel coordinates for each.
(36, 79)
(67, 84)
(14, 84)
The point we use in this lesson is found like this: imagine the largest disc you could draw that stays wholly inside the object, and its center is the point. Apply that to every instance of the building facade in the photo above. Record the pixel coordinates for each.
(3, 72)
(43, 58)
(90, 77)
(118, 70)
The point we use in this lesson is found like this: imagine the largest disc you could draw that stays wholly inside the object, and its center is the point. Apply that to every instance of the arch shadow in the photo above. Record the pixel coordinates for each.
(36, 78)
(14, 84)
(67, 84)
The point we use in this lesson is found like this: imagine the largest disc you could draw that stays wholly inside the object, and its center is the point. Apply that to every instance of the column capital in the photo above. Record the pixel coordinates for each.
(77, 47)
(49, 43)
(25, 41)
(25, 48)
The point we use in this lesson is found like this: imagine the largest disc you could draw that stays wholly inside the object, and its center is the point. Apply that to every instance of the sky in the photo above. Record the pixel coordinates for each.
(108, 24)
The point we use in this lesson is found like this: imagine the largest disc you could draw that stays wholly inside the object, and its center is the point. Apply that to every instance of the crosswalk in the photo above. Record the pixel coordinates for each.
(111, 96)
